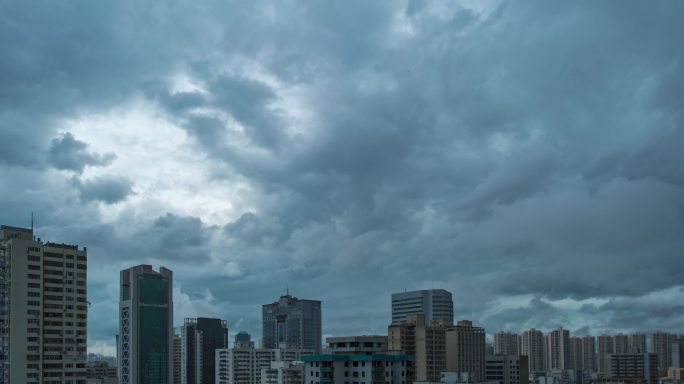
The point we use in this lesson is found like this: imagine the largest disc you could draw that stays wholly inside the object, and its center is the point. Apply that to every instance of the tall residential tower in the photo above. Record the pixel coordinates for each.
(43, 309)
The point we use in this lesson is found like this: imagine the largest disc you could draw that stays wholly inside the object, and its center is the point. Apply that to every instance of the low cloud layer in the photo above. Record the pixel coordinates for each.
(524, 156)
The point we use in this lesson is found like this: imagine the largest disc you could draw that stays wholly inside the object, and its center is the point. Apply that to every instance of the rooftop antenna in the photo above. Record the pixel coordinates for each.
(287, 289)
(32, 227)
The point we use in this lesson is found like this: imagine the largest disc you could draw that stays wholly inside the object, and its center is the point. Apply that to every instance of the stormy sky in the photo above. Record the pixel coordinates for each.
(525, 155)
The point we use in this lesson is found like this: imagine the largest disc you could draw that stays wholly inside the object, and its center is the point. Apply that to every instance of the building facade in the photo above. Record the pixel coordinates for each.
(292, 323)
(634, 366)
(558, 349)
(357, 345)
(426, 342)
(145, 342)
(465, 349)
(43, 309)
(661, 345)
(200, 338)
(605, 350)
(533, 348)
(434, 304)
(357, 369)
(176, 359)
(506, 343)
(245, 365)
(636, 343)
(507, 369)
(589, 354)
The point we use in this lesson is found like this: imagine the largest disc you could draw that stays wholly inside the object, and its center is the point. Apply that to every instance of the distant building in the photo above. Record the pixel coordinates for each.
(533, 348)
(100, 372)
(675, 373)
(357, 369)
(678, 353)
(507, 369)
(200, 338)
(43, 308)
(589, 354)
(576, 359)
(426, 342)
(621, 343)
(357, 345)
(283, 372)
(506, 343)
(635, 366)
(293, 323)
(145, 342)
(605, 350)
(434, 304)
(661, 345)
(177, 359)
(245, 365)
(558, 349)
(243, 340)
(636, 343)
(465, 349)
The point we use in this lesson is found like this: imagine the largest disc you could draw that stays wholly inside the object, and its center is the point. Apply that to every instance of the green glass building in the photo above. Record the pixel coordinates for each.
(145, 342)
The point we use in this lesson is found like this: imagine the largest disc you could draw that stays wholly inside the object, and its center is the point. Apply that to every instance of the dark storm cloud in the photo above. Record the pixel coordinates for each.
(532, 152)
(109, 190)
(70, 154)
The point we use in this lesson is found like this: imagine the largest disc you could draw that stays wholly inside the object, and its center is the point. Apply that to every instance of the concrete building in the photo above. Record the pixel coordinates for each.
(243, 340)
(434, 304)
(576, 359)
(533, 348)
(620, 343)
(357, 369)
(43, 309)
(661, 345)
(283, 372)
(426, 342)
(675, 373)
(605, 350)
(292, 322)
(678, 353)
(589, 354)
(357, 345)
(100, 372)
(465, 349)
(558, 349)
(177, 359)
(506, 343)
(145, 342)
(634, 366)
(636, 343)
(507, 369)
(244, 365)
(200, 338)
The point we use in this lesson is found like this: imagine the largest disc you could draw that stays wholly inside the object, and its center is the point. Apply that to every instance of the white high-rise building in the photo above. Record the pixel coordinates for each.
(246, 364)
(145, 343)
(434, 304)
(43, 309)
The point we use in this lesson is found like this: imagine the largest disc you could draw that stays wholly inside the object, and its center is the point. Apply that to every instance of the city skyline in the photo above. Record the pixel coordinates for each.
(524, 156)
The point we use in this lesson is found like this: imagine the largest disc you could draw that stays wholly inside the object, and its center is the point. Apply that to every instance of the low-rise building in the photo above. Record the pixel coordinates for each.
(357, 369)
(507, 369)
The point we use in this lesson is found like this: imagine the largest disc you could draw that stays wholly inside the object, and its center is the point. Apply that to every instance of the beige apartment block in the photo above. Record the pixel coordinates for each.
(43, 310)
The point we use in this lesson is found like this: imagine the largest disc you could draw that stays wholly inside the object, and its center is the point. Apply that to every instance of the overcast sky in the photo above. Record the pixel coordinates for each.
(525, 155)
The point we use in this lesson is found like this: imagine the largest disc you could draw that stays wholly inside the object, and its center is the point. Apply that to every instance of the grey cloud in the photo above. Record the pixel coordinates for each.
(106, 189)
(398, 181)
(68, 153)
